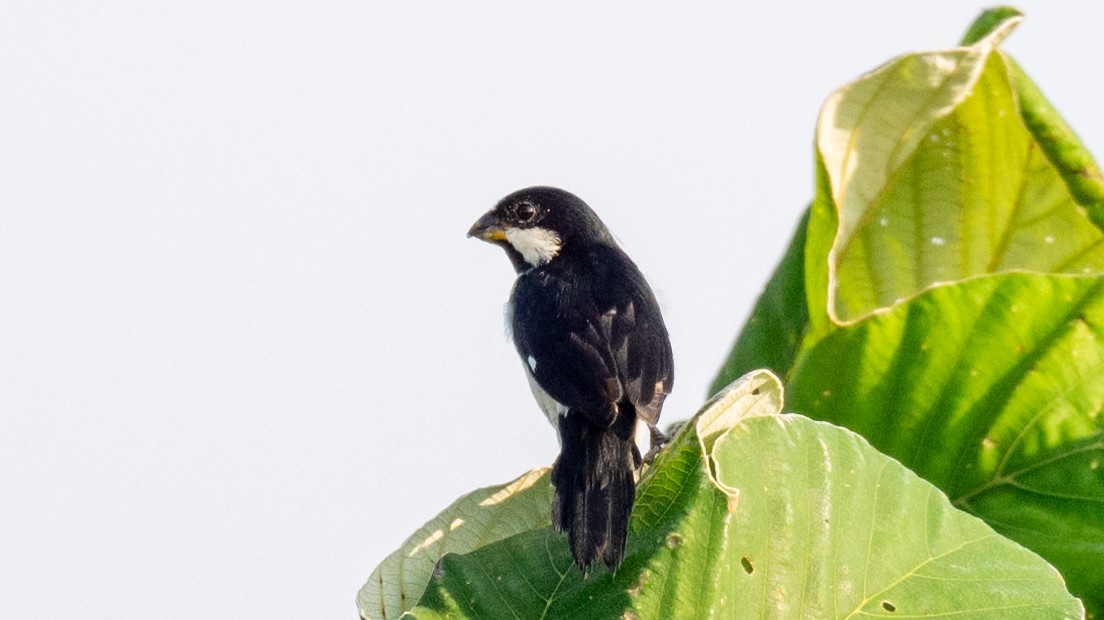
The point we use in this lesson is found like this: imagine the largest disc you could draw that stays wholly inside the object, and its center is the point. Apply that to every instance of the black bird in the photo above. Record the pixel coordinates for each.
(592, 340)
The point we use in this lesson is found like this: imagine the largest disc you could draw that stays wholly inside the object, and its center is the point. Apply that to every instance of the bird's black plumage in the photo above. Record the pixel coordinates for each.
(589, 332)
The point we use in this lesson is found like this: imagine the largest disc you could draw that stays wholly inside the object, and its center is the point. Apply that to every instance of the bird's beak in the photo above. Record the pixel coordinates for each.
(488, 228)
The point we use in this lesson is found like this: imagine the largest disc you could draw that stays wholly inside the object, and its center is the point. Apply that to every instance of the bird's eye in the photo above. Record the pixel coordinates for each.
(526, 211)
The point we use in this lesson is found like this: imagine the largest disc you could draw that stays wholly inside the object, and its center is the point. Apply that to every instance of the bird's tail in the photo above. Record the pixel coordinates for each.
(594, 480)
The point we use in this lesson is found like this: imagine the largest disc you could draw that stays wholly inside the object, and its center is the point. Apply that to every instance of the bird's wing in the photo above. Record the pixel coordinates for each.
(592, 351)
(642, 352)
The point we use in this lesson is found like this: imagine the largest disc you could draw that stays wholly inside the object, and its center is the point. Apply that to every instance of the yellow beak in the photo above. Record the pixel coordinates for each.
(488, 228)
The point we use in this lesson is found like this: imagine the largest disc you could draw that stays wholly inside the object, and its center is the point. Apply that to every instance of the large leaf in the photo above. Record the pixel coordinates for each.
(753, 513)
(992, 390)
(935, 177)
(479, 518)
(939, 177)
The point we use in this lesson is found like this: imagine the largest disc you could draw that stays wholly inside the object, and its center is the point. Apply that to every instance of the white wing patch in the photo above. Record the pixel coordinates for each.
(532, 363)
(642, 436)
(536, 245)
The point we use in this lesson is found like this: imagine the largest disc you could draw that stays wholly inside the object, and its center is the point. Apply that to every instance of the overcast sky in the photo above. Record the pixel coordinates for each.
(245, 346)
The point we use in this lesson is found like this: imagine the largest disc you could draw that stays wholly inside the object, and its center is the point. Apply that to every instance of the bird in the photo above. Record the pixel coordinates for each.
(597, 354)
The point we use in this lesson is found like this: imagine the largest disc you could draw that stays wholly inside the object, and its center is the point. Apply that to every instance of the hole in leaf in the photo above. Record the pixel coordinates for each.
(746, 563)
(886, 605)
(755, 392)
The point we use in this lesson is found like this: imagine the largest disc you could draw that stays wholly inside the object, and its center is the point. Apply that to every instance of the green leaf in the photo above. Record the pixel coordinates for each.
(946, 180)
(1061, 145)
(935, 178)
(992, 390)
(988, 22)
(754, 513)
(477, 519)
(1057, 139)
(821, 236)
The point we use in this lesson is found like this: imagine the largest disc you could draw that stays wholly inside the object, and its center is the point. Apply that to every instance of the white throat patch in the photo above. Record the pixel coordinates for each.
(536, 245)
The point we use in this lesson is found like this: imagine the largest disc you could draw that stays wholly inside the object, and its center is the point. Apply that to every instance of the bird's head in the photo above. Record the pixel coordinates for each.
(537, 224)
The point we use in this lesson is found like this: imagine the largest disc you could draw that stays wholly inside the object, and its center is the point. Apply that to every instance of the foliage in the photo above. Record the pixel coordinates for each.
(937, 321)
(951, 273)
(748, 513)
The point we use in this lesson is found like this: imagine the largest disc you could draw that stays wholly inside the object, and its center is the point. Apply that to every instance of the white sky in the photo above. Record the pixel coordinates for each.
(245, 346)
